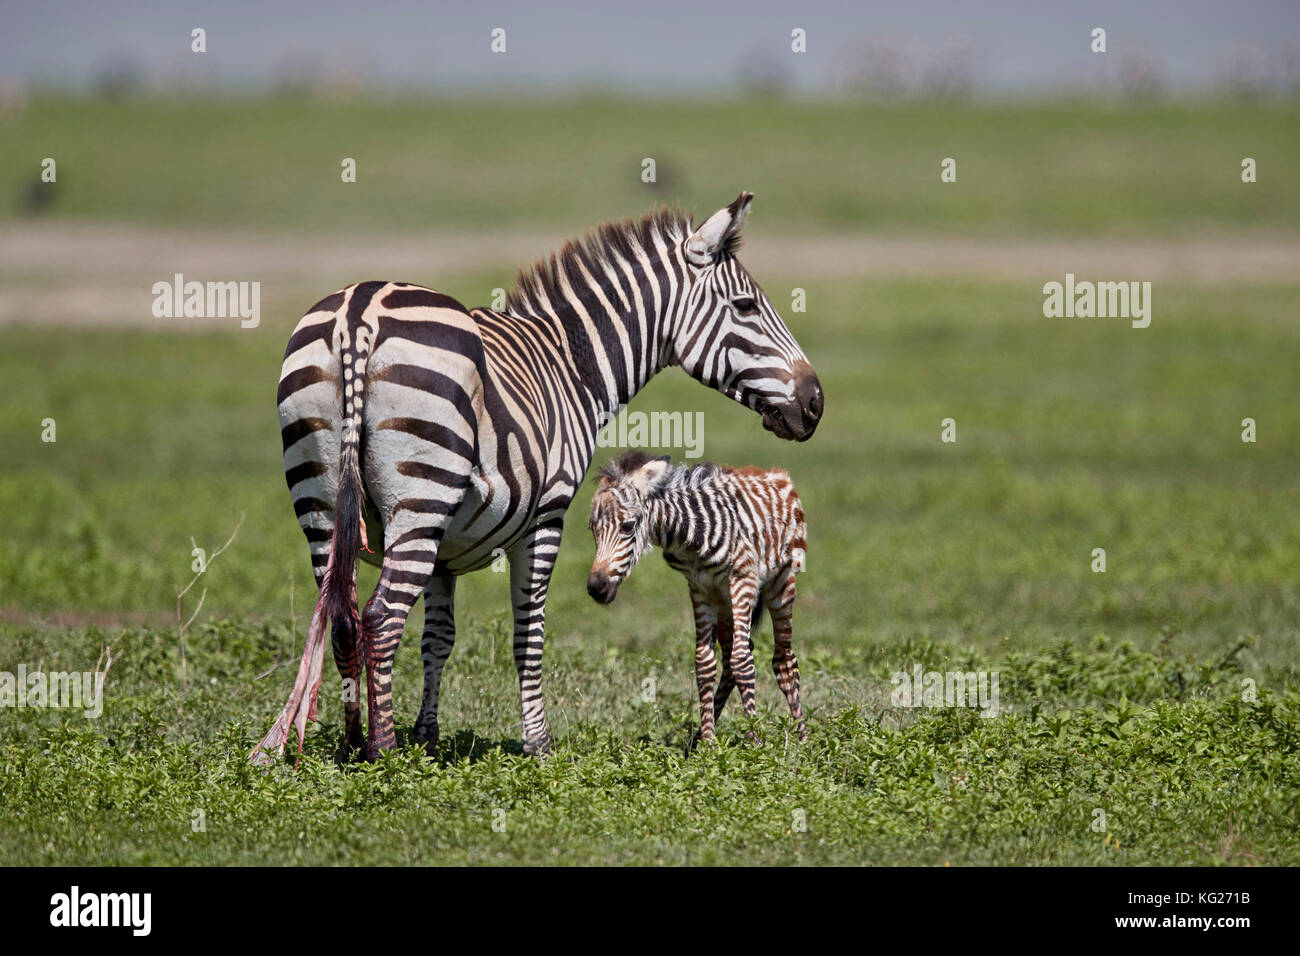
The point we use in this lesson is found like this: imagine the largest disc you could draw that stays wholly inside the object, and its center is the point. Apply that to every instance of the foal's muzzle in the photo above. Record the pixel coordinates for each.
(601, 587)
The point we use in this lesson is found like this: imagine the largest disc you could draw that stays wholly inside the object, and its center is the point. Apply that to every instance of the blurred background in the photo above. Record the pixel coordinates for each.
(924, 298)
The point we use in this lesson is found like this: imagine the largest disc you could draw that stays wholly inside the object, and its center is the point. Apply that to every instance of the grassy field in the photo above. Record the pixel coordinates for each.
(1121, 691)
(1164, 692)
(1074, 168)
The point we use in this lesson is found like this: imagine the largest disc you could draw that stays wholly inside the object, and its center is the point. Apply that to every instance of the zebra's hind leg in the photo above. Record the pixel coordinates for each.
(785, 664)
(531, 565)
(436, 644)
(347, 659)
(318, 525)
(410, 553)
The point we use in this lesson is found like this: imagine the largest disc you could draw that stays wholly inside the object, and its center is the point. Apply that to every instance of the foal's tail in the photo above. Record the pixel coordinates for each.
(799, 537)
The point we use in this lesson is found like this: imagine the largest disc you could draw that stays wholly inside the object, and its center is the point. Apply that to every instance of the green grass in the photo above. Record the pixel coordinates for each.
(1072, 435)
(1063, 168)
(1184, 771)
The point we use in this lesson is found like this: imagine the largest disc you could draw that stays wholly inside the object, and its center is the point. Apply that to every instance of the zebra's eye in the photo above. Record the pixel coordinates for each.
(627, 527)
(745, 305)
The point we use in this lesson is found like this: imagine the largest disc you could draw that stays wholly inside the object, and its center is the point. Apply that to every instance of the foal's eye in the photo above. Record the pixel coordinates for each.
(745, 306)
(627, 527)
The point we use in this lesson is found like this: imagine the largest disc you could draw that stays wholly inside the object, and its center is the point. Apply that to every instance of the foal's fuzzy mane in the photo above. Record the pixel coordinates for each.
(618, 468)
(678, 475)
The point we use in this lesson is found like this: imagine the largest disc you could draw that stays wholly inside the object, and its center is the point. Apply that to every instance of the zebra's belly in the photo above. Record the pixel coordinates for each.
(480, 533)
(487, 524)
(713, 578)
(710, 578)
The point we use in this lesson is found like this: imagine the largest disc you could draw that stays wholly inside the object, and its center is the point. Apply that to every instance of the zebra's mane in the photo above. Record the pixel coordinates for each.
(543, 281)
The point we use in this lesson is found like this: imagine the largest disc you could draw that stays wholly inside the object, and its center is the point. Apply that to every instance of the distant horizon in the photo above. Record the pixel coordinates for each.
(931, 48)
(398, 96)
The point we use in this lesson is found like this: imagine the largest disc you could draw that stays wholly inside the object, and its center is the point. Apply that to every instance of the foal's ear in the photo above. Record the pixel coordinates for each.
(651, 473)
(719, 230)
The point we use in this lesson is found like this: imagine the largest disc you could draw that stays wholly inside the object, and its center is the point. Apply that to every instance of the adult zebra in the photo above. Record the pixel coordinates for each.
(456, 432)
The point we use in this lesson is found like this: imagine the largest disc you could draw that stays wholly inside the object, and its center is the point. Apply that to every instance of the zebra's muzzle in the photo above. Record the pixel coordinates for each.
(795, 420)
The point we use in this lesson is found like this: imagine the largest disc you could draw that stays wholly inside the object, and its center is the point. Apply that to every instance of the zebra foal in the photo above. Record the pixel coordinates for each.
(737, 535)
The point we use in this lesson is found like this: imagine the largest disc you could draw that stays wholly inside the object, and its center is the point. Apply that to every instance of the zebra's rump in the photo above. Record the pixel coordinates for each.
(399, 366)
(440, 432)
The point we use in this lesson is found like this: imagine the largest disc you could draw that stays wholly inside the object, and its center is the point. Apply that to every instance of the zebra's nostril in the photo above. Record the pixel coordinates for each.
(808, 394)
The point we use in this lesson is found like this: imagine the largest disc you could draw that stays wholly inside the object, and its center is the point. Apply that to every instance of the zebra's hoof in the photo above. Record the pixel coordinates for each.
(427, 737)
(424, 733)
(351, 749)
(537, 746)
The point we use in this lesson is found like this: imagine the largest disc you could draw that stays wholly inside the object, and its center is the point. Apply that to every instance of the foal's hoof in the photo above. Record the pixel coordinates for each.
(698, 738)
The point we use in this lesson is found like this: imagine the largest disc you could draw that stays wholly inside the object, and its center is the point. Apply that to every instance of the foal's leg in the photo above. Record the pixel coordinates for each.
(706, 623)
(744, 592)
(727, 682)
(785, 665)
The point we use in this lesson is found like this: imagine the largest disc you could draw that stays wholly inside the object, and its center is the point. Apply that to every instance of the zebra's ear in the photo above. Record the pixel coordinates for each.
(719, 231)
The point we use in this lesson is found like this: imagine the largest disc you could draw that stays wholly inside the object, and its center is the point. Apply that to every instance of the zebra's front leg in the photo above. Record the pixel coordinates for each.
(435, 648)
(531, 565)
(705, 673)
(744, 592)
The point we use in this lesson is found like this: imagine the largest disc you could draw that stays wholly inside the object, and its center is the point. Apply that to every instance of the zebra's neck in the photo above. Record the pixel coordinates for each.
(612, 300)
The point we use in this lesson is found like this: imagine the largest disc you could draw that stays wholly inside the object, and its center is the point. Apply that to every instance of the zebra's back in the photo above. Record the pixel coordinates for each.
(716, 521)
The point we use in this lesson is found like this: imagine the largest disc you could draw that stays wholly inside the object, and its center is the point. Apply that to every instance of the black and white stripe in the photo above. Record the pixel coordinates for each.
(449, 433)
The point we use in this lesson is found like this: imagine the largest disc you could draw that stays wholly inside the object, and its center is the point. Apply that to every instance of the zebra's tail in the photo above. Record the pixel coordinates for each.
(338, 592)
